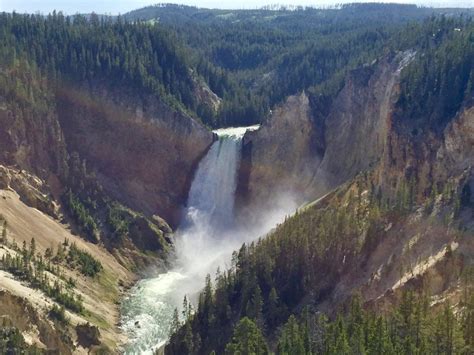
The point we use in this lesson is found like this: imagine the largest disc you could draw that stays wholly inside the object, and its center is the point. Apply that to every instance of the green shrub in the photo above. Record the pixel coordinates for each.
(88, 265)
(58, 313)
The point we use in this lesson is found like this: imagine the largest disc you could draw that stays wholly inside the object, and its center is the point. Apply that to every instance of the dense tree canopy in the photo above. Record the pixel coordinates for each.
(251, 64)
(146, 57)
(442, 76)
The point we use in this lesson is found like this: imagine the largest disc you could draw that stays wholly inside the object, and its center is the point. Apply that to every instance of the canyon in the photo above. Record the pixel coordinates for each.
(329, 146)
(118, 200)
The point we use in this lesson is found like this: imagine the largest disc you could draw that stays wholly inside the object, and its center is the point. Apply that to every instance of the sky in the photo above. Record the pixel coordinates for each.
(115, 7)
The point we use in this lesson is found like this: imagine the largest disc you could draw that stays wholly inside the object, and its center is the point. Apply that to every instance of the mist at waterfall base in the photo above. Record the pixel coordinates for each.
(204, 242)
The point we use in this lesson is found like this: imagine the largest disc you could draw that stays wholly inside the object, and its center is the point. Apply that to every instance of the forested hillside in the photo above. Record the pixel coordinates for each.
(251, 63)
(146, 57)
(255, 58)
(288, 291)
(289, 16)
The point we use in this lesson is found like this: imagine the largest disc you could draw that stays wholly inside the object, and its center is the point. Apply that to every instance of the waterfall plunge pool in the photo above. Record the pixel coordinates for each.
(204, 241)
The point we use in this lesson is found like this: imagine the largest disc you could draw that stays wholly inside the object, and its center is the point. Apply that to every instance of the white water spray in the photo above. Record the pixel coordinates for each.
(204, 241)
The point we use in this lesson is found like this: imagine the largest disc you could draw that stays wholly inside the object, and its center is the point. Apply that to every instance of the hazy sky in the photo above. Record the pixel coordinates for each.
(122, 6)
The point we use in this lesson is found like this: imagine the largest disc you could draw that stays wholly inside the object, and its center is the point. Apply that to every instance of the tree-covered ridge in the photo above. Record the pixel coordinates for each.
(23, 88)
(252, 65)
(259, 65)
(286, 16)
(441, 78)
(148, 58)
(411, 328)
(301, 262)
(263, 65)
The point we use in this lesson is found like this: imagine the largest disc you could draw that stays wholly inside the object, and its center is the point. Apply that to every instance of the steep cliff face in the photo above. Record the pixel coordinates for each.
(308, 146)
(280, 159)
(144, 152)
(31, 139)
(427, 157)
(425, 243)
(358, 122)
(32, 142)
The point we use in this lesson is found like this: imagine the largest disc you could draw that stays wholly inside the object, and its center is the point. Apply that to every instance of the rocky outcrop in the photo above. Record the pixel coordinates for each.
(205, 95)
(17, 312)
(87, 335)
(310, 145)
(456, 155)
(30, 188)
(143, 151)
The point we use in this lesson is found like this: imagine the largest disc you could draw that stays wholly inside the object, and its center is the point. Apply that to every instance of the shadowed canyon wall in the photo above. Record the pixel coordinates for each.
(144, 152)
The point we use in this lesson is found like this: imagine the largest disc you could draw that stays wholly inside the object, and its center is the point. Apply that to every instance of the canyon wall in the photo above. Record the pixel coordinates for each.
(365, 149)
(143, 151)
(311, 144)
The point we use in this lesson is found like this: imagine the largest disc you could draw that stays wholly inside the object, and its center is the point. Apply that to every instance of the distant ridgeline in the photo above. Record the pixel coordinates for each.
(251, 59)
(269, 54)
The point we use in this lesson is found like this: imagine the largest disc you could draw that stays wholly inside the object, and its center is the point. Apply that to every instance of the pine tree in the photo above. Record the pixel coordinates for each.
(48, 253)
(187, 308)
(25, 255)
(175, 323)
(273, 309)
(247, 339)
(291, 340)
(254, 307)
(4, 233)
(189, 344)
(60, 253)
(340, 344)
(468, 320)
(32, 249)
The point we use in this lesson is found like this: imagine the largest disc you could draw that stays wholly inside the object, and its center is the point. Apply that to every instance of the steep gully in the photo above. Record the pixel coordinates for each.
(205, 240)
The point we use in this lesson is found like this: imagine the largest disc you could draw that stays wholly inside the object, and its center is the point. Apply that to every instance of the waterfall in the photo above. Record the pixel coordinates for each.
(211, 197)
(204, 241)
